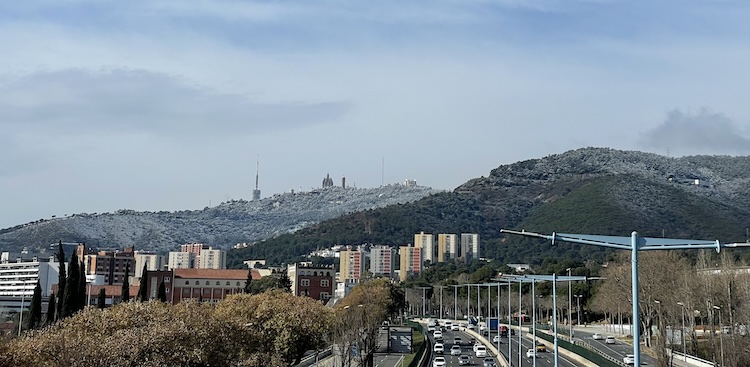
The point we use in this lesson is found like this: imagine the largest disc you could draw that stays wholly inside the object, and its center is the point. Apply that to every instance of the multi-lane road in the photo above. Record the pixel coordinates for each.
(617, 351)
(543, 358)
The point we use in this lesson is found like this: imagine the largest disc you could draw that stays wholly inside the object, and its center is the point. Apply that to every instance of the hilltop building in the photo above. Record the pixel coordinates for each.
(327, 181)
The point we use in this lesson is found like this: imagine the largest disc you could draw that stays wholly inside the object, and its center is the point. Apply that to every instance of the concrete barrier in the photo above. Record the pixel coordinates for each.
(688, 359)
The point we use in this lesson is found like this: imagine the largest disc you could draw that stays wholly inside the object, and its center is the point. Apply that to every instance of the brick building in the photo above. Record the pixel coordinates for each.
(314, 281)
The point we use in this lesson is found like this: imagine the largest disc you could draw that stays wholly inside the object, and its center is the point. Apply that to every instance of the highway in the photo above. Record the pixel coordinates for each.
(616, 351)
(543, 358)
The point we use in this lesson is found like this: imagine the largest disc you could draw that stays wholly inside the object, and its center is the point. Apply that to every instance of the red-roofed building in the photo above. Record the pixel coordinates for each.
(209, 285)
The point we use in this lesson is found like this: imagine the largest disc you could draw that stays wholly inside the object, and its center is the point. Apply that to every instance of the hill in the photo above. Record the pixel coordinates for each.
(589, 190)
(232, 222)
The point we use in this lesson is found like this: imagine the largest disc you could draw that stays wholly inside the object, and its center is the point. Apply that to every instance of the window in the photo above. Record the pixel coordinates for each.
(324, 295)
(217, 282)
(187, 282)
(166, 279)
(238, 284)
(227, 284)
(207, 282)
(324, 282)
(304, 282)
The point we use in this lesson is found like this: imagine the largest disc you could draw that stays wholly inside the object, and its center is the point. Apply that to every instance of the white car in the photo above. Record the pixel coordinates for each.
(531, 353)
(457, 340)
(476, 345)
(438, 348)
(480, 351)
(628, 359)
(455, 350)
(597, 336)
(496, 339)
(438, 335)
(610, 340)
(448, 325)
(454, 327)
(438, 362)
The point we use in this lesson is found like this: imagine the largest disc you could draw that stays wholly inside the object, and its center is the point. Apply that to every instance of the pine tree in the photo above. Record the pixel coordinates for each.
(62, 278)
(143, 286)
(83, 297)
(249, 282)
(51, 308)
(101, 299)
(162, 291)
(285, 284)
(35, 311)
(70, 299)
(125, 293)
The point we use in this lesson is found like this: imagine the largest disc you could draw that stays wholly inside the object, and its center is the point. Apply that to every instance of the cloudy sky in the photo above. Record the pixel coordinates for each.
(165, 105)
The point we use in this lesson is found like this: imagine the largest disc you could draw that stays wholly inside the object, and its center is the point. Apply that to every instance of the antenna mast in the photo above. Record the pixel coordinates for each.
(256, 192)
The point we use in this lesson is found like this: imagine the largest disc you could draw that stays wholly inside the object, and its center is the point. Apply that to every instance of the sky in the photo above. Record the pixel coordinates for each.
(169, 105)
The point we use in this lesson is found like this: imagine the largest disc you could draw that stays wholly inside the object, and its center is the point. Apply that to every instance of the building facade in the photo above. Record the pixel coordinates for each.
(411, 261)
(111, 264)
(212, 259)
(447, 247)
(382, 259)
(470, 246)
(206, 285)
(314, 281)
(181, 260)
(351, 265)
(152, 261)
(426, 242)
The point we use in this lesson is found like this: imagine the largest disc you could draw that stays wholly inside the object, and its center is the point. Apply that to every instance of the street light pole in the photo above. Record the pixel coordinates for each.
(721, 336)
(682, 330)
(570, 305)
(578, 307)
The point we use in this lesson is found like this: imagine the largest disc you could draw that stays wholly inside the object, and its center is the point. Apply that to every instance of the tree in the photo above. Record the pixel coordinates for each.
(125, 292)
(35, 311)
(249, 282)
(285, 284)
(70, 299)
(162, 291)
(143, 285)
(83, 297)
(51, 308)
(101, 299)
(62, 278)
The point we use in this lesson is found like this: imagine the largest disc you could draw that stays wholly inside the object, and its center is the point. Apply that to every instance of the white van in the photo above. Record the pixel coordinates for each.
(480, 351)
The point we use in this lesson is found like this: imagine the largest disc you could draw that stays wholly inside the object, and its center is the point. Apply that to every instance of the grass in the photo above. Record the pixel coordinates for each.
(418, 340)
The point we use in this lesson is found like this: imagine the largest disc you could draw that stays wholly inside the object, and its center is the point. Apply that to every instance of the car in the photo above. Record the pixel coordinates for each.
(464, 360)
(448, 324)
(488, 362)
(540, 347)
(531, 353)
(438, 362)
(438, 348)
(610, 340)
(454, 327)
(597, 336)
(628, 359)
(431, 328)
(471, 327)
(438, 335)
(480, 351)
(496, 340)
(457, 341)
(476, 345)
(455, 350)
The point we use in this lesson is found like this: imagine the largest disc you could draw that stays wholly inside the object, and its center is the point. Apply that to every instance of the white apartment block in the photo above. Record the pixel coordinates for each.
(470, 246)
(426, 242)
(152, 261)
(18, 278)
(381, 260)
(212, 259)
(181, 260)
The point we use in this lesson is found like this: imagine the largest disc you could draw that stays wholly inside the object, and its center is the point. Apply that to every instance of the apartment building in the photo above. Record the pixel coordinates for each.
(351, 264)
(447, 247)
(212, 259)
(469, 246)
(152, 261)
(381, 260)
(314, 281)
(411, 261)
(426, 242)
(109, 263)
(181, 260)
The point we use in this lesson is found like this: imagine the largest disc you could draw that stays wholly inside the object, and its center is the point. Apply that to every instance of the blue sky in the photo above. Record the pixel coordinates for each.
(164, 105)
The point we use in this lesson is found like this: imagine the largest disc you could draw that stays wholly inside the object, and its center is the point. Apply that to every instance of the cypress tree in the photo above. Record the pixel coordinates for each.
(51, 308)
(143, 286)
(101, 299)
(249, 282)
(125, 292)
(70, 299)
(62, 278)
(83, 297)
(35, 311)
(162, 291)
(285, 284)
